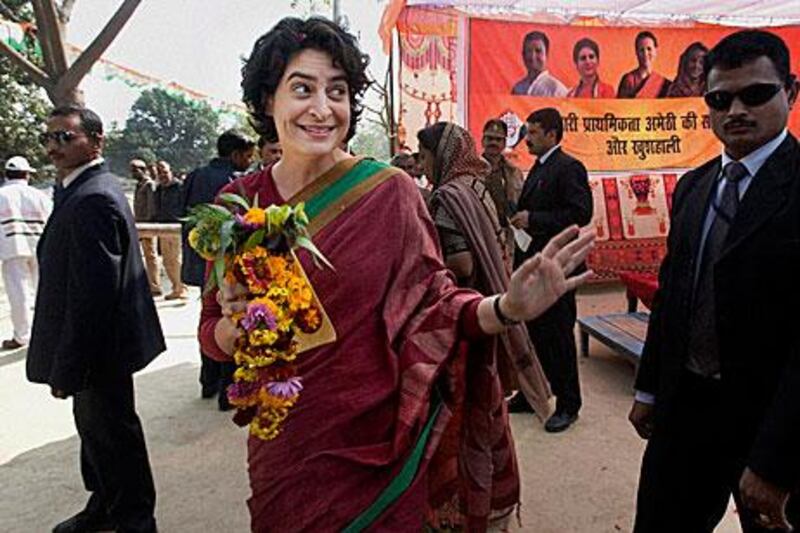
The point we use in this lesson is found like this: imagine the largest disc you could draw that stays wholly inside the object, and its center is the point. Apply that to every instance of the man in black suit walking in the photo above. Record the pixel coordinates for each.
(718, 387)
(555, 196)
(95, 325)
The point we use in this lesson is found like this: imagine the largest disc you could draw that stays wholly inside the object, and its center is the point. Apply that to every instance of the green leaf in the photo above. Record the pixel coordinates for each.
(256, 238)
(219, 269)
(304, 242)
(226, 235)
(217, 210)
(300, 214)
(211, 282)
(232, 198)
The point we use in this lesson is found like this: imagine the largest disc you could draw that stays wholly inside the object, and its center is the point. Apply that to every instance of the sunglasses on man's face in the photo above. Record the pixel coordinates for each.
(60, 137)
(751, 96)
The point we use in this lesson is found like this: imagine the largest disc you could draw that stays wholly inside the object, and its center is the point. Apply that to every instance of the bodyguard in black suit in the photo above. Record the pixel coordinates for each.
(718, 387)
(95, 325)
(555, 196)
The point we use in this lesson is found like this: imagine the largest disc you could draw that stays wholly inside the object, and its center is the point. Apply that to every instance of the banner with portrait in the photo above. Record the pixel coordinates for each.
(615, 117)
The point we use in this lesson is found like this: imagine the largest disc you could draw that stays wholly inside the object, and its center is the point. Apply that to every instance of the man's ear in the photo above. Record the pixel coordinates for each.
(793, 89)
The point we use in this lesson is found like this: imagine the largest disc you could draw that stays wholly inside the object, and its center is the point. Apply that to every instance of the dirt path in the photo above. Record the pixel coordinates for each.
(583, 480)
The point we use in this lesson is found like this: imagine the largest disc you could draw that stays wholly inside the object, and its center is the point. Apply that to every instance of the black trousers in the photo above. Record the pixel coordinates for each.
(691, 466)
(553, 336)
(215, 374)
(114, 462)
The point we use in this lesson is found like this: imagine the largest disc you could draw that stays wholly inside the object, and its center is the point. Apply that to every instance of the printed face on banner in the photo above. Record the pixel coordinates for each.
(535, 56)
(646, 51)
(628, 104)
(587, 63)
(694, 67)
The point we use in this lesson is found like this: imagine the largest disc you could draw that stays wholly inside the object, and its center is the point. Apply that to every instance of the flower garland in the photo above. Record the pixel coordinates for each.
(254, 247)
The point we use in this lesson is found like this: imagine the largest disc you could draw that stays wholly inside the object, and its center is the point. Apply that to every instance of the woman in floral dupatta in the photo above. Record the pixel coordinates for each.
(354, 452)
(472, 244)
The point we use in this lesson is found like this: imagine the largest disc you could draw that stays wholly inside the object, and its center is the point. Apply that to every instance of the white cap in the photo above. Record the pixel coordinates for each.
(19, 164)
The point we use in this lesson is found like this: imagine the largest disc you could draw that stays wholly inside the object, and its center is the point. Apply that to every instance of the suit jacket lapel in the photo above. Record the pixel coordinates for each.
(528, 186)
(765, 194)
(82, 178)
(696, 207)
(536, 175)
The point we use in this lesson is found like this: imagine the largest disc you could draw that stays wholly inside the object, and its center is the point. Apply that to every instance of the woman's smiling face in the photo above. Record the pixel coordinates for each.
(311, 106)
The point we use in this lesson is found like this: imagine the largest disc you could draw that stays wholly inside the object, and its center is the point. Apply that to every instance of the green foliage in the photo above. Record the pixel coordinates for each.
(371, 140)
(23, 105)
(163, 125)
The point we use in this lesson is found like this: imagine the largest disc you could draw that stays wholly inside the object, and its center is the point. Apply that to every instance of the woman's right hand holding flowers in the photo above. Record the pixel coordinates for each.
(232, 299)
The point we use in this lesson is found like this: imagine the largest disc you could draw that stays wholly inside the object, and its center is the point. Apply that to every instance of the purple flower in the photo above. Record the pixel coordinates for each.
(242, 390)
(247, 226)
(256, 314)
(285, 389)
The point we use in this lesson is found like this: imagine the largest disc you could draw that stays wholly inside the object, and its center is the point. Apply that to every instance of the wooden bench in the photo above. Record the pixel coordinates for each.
(623, 332)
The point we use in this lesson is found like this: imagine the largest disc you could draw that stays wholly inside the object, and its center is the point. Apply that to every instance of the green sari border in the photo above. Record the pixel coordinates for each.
(402, 481)
(339, 189)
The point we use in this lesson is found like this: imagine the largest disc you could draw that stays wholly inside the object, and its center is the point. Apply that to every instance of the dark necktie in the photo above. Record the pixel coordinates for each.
(703, 349)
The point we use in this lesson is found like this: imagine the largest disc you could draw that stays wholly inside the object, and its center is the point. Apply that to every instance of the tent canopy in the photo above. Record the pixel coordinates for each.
(728, 12)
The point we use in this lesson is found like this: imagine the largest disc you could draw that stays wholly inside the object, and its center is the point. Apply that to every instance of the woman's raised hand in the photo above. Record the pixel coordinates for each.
(541, 280)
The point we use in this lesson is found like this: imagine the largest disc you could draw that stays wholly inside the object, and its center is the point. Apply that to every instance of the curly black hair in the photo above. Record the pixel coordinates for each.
(263, 70)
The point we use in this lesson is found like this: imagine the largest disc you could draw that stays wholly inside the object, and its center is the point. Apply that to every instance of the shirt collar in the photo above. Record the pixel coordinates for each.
(756, 159)
(545, 156)
(72, 176)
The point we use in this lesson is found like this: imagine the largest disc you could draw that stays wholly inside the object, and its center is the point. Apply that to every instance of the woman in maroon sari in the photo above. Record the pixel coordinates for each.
(354, 452)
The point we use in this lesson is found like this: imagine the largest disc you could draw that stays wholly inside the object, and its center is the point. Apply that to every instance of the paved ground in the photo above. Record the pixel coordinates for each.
(580, 481)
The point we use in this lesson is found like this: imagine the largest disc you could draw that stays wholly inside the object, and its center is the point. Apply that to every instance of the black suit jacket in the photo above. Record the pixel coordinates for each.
(95, 318)
(556, 194)
(757, 290)
(201, 187)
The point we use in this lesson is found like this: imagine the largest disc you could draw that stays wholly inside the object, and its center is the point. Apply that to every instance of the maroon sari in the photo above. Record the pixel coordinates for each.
(398, 317)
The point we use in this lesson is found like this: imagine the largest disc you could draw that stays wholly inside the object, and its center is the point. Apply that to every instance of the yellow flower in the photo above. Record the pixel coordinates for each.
(245, 374)
(300, 294)
(194, 236)
(204, 249)
(255, 216)
(262, 337)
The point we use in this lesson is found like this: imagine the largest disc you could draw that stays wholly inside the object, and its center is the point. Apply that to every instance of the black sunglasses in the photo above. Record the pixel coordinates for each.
(752, 96)
(61, 137)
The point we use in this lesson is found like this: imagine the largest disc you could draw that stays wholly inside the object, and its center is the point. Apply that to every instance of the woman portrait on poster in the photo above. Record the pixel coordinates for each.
(586, 56)
(690, 80)
(644, 81)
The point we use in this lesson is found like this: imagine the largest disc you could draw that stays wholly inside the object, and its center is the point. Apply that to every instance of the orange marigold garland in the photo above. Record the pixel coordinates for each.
(254, 247)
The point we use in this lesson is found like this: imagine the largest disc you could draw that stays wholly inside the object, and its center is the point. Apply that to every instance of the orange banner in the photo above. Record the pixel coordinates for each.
(657, 126)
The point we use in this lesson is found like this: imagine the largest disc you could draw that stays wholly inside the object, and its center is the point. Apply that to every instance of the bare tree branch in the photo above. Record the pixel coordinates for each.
(38, 76)
(50, 38)
(7, 13)
(65, 11)
(94, 51)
